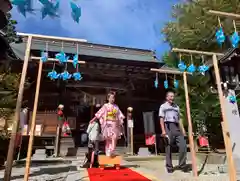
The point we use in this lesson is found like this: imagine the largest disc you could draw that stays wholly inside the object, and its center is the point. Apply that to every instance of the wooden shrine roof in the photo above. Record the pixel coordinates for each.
(87, 49)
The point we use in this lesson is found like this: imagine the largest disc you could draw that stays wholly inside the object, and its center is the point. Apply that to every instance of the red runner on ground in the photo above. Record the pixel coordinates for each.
(111, 174)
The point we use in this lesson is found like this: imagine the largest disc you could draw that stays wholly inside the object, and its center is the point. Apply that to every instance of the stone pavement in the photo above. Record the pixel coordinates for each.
(68, 169)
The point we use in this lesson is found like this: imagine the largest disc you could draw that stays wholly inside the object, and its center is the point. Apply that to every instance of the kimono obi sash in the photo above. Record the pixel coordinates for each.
(112, 115)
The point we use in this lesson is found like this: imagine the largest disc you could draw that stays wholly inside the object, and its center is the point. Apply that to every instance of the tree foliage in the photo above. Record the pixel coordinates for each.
(9, 81)
(193, 27)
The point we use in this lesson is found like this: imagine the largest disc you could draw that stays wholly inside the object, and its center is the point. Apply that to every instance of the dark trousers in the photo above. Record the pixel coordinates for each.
(175, 135)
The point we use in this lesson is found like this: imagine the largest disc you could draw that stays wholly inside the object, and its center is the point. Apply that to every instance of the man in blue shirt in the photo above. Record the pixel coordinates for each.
(173, 131)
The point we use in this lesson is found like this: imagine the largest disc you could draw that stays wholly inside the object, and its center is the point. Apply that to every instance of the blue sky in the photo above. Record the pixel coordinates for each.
(128, 23)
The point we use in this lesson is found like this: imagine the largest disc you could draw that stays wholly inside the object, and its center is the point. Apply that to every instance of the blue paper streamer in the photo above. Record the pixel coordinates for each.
(175, 83)
(165, 84)
(53, 75)
(65, 75)
(203, 69)
(235, 39)
(191, 68)
(77, 76)
(44, 56)
(181, 66)
(49, 8)
(61, 57)
(76, 12)
(220, 36)
(23, 6)
(156, 83)
(75, 60)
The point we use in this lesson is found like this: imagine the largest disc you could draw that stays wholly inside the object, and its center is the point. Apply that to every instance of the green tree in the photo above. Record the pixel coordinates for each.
(9, 81)
(194, 28)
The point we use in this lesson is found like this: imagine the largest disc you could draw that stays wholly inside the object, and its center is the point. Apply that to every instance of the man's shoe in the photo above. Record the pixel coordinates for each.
(186, 168)
(170, 170)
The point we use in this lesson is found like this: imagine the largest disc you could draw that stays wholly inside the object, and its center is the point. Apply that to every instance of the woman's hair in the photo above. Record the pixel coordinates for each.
(111, 93)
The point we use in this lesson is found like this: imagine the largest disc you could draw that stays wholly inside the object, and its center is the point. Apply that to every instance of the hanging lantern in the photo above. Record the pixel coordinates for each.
(156, 81)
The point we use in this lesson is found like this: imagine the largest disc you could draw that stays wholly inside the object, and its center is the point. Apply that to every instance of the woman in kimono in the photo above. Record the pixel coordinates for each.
(111, 120)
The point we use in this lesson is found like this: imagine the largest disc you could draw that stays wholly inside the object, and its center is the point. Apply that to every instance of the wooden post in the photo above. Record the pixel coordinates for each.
(8, 167)
(33, 123)
(225, 129)
(131, 135)
(57, 140)
(190, 131)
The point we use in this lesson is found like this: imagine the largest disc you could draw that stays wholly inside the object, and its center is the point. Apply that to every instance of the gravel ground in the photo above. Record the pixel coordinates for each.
(51, 171)
(157, 168)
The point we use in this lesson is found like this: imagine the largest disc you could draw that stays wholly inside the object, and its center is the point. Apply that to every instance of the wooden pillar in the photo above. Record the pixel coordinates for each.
(8, 167)
(225, 129)
(190, 131)
(33, 123)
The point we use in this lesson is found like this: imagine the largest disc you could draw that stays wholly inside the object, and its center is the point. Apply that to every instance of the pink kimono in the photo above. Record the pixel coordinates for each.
(111, 120)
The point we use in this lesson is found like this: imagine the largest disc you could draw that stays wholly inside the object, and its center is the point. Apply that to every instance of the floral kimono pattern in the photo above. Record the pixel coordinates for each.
(111, 120)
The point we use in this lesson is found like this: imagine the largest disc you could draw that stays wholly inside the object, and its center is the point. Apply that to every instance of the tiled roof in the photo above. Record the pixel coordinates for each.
(88, 49)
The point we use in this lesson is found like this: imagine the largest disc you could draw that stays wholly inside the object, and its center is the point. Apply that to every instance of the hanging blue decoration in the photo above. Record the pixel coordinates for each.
(23, 6)
(49, 8)
(44, 56)
(53, 75)
(66, 75)
(181, 66)
(191, 68)
(61, 57)
(77, 76)
(232, 99)
(220, 36)
(203, 69)
(156, 81)
(175, 83)
(76, 12)
(166, 84)
(75, 60)
(235, 39)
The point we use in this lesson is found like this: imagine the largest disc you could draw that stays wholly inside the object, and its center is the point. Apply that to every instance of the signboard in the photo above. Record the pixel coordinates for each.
(232, 114)
(130, 123)
(149, 125)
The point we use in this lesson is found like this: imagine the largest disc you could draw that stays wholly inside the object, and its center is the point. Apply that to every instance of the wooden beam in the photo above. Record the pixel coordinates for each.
(44, 37)
(196, 52)
(97, 85)
(56, 60)
(164, 71)
(224, 14)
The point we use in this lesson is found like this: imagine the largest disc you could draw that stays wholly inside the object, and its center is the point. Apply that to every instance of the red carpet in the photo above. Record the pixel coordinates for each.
(111, 174)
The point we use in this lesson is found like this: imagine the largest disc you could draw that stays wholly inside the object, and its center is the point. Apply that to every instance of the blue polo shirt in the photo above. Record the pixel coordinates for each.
(169, 112)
